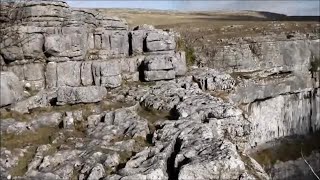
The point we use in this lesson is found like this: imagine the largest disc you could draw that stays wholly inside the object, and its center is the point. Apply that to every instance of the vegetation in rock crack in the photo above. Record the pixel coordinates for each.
(190, 53)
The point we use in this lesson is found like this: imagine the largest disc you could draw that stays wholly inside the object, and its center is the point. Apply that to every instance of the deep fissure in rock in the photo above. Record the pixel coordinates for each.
(173, 172)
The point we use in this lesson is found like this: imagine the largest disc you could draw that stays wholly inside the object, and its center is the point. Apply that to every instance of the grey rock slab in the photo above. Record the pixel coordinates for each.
(97, 172)
(86, 74)
(33, 72)
(158, 62)
(11, 88)
(51, 75)
(41, 99)
(68, 74)
(180, 63)
(74, 95)
(137, 39)
(210, 79)
(160, 41)
(159, 75)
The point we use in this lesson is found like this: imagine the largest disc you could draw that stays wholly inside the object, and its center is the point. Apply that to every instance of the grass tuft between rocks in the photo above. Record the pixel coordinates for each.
(190, 52)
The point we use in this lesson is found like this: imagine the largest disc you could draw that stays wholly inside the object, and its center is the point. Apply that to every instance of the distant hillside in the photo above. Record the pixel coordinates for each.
(169, 17)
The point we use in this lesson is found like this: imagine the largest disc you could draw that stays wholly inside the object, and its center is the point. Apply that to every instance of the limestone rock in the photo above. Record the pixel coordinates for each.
(68, 74)
(160, 41)
(97, 172)
(159, 75)
(210, 79)
(86, 74)
(43, 98)
(137, 39)
(158, 62)
(74, 95)
(180, 64)
(106, 73)
(11, 88)
(51, 75)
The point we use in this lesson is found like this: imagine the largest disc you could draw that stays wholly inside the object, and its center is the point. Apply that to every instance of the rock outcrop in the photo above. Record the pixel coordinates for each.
(72, 106)
(61, 46)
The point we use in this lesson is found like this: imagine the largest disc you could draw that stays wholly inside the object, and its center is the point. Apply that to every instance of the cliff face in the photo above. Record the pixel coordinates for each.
(278, 85)
(76, 75)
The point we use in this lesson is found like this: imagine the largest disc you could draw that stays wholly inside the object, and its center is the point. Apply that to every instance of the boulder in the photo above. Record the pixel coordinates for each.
(158, 62)
(137, 39)
(32, 46)
(68, 74)
(107, 73)
(11, 88)
(119, 43)
(51, 75)
(43, 98)
(180, 64)
(74, 95)
(86, 74)
(210, 79)
(159, 75)
(160, 41)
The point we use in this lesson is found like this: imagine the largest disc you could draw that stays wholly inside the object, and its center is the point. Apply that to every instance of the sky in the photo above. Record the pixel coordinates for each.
(288, 7)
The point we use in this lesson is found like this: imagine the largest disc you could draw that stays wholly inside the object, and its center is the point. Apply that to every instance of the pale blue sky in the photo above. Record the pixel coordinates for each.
(289, 7)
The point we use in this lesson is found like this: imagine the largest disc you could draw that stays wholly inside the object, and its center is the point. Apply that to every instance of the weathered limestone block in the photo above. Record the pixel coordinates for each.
(158, 62)
(119, 43)
(32, 46)
(131, 64)
(10, 49)
(68, 45)
(106, 73)
(42, 99)
(68, 73)
(180, 63)
(111, 81)
(74, 95)
(90, 40)
(51, 75)
(110, 68)
(159, 75)
(11, 88)
(43, 9)
(131, 77)
(33, 72)
(18, 70)
(160, 41)
(97, 41)
(137, 39)
(54, 44)
(105, 41)
(86, 74)
(2, 62)
(210, 79)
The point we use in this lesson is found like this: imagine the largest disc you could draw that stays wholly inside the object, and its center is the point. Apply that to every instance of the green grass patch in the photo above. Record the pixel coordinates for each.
(21, 168)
